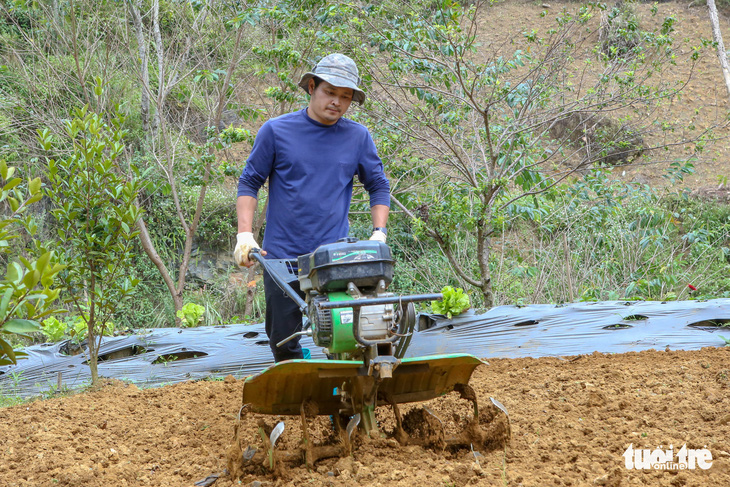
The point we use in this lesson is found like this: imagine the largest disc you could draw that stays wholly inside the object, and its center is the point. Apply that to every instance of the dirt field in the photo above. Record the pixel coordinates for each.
(572, 419)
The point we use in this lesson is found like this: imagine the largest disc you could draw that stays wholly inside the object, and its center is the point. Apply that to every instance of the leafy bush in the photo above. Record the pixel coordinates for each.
(619, 33)
(95, 209)
(26, 294)
(454, 302)
(603, 239)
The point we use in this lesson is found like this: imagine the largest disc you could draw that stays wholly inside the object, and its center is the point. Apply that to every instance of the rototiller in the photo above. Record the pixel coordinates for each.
(365, 331)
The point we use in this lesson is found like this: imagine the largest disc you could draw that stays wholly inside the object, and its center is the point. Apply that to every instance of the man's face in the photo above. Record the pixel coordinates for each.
(328, 103)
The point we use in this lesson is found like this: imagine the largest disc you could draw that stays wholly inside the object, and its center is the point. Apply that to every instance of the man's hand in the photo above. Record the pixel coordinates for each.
(244, 243)
(378, 235)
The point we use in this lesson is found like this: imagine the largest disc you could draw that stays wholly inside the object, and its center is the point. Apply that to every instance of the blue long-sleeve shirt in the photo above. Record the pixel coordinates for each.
(310, 167)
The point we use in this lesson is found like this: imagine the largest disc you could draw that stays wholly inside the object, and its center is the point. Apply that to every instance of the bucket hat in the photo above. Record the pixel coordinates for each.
(337, 70)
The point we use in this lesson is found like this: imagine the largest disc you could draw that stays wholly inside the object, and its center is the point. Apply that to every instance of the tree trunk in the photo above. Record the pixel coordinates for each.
(149, 248)
(717, 37)
(192, 228)
(93, 352)
(76, 55)
(168, 75)
(91, 342)
(483, 251)
(56, 28)
(568, 268)
(134, 8)
(160, 66)
(250, 292)
(159, 125)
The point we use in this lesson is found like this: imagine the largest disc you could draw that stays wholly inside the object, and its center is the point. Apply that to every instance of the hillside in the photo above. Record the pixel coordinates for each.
(702, 103)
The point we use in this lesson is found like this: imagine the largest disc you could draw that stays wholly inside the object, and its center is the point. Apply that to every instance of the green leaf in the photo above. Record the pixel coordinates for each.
(5, 302)
(12, 184)
(28, 264)
(35, 198)
(34, 186)
(42, 261)
(21, 327)
(99, 86)
(14, 272)
(31, 279)
(453, 303)
(14, 205)
(7, 351)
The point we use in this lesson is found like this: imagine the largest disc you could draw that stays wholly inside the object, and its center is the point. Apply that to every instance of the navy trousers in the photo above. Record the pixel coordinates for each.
(283, 318)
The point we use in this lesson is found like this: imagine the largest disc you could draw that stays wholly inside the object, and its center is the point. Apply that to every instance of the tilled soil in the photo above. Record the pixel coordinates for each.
(572, 419)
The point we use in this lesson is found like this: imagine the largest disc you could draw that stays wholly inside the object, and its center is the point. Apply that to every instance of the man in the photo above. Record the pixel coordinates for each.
(310, 158)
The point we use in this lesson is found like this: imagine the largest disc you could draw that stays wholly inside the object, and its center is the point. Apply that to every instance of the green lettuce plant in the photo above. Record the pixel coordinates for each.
(191, 314)
(454, 302)
(57, 330)
(54, 329)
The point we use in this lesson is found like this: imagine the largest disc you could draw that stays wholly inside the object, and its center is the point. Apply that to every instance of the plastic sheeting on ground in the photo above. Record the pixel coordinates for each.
(578, 328)
(168, 355)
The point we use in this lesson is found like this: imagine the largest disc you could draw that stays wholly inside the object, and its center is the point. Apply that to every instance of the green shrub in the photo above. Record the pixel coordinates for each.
(619, 33)
(26, 293)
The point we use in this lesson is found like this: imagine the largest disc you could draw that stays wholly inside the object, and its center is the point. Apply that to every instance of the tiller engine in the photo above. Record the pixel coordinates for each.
(365, 332)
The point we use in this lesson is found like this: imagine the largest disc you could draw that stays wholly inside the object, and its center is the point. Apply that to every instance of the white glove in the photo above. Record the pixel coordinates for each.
(378, 235)
(244, 243)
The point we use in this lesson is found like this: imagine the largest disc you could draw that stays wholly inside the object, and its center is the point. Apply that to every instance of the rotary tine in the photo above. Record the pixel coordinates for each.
(270, 438)
(346, 433)
(400, 434)
(309, 409)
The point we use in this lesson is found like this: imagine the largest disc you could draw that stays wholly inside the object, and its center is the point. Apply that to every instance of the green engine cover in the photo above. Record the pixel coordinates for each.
(343, 338)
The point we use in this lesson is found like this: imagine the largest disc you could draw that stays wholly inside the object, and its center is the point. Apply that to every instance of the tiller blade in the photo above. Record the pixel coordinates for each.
(349, 393)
